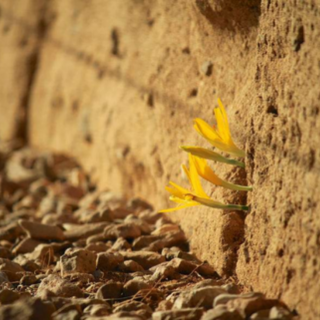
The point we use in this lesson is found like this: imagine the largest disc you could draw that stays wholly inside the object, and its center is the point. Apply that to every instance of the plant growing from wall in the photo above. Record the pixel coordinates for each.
(220, 137)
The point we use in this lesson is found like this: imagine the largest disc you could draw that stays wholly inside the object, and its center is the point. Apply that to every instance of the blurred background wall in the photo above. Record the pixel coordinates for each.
(117, 83)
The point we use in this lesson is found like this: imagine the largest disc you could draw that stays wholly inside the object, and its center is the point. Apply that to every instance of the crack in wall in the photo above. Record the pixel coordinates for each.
(39, 31)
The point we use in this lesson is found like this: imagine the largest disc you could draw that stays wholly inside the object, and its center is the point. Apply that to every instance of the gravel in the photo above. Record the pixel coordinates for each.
(71, 252)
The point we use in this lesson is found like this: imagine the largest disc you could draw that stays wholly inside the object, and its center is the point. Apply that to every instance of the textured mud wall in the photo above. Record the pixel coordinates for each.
(117, 84)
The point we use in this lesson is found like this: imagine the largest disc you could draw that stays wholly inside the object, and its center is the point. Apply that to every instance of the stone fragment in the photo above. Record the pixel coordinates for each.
(165, 305)
(138, 205)
(121, 244)
(98, 310)
(108, 261)
(59, 287)
(25, 246)
(78, 260)
(69, 315)
(27, 309)
(8, 296)
(97, 247)
(122, 315)
(163, 272)
(5, 253)
(106, 215)
(165, 229)
(41, 231)
(3, 277)
(138, 307)
(150, 216)
(224, 298)
(169, 254)
(95, 238)
(206, 68)
(145, 258)
(111, 290)
(202, 297)
(125, 230)
(11, 231)
(261, 315)
(11, 269)
(144, 241)
(187, 313)
(130, 266)
(75, 232)
(247, 305)
(28, 279)
(135, 285)
(280, 313)
(222, 313)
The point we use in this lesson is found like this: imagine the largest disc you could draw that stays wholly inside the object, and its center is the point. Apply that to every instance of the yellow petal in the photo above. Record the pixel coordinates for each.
(191, 204)
(223, 127)
(175, 192)
(195, 181)
(206, 130)
(182, 190)
(206, 172)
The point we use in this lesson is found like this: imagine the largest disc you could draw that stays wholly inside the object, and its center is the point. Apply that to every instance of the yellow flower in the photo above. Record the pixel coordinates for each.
(207, 173)
(186, 198)
(219, 137)
(210, 155)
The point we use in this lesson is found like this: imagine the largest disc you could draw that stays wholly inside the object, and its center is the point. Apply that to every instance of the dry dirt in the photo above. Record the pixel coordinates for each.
(117, 84)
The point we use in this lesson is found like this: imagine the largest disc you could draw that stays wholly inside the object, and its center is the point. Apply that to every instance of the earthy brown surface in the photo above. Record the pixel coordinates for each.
(70, 252)
(119, 85)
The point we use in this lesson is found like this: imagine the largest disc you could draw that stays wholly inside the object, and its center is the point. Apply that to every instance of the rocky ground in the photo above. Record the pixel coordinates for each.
(70, 252)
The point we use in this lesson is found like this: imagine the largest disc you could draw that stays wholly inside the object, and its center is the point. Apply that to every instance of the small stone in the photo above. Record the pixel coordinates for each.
(75, 232)
(97, 247)
(187, 313)
(163, 272)
(11, 269)
(180, 254)
(111, 290)
(125, 230)
(11, 232)
(206, 68)
(28, 279)
(3, 277)
(69, 315)
(95, 238)
(247, 305)
(41, 231)
(144, 241)
(150, 216)
(97, 216)
(145, 258)
(280, 313)
(8, 296)
(135, 285)
(5, 253)
(97, 310)
(165, 305)
(224, 298)
(78, 260)
(134, 306)
(130, 266)
(222, 313)
(27, 309)
(25, 246)
(202, 297)
(261, 315)
(121, 244)
(60, 287)
(108, 261)
(165, 229)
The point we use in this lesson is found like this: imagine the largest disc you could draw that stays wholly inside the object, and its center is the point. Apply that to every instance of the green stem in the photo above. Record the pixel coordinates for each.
(211, 155)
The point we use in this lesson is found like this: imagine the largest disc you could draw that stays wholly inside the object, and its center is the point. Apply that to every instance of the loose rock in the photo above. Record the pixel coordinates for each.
(78, 260)
(41, 231)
